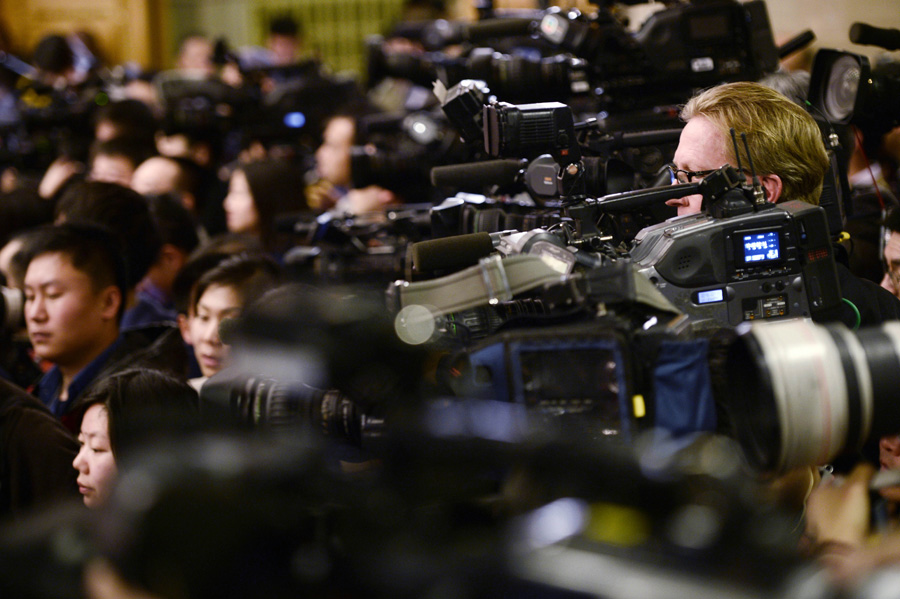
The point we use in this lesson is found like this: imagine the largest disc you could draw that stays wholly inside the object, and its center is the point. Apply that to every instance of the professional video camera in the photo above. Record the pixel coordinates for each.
(290, 113)
(846, 89)
(366, 248)
(745, 259)
(401, 149)
(303, 357)
(679, 49)
(771, 261)
(51, 121)
(541, 150)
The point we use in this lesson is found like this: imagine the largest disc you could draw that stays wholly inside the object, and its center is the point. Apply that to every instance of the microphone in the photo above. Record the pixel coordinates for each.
(475, 176)
(634, 139)
(450, 253)
(444, 33)
(889, 39)
(797, 42)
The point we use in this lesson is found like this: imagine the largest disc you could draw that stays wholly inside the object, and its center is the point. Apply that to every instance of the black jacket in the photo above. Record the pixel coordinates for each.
(36, 453)
(875, 304)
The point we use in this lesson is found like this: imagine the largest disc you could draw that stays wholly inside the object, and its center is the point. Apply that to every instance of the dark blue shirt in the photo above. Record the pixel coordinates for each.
(49, 387)
(153, 307)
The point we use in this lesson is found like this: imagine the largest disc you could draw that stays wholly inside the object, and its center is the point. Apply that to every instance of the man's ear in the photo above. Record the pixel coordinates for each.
(773, 187)
(184, 328)
(183, 322)
(112, 299)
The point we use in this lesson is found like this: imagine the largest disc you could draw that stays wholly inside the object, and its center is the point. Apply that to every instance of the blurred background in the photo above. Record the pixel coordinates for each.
(148, 31)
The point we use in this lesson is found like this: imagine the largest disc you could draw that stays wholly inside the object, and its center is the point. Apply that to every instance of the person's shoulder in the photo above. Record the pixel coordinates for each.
(28, 421)
(14, 398)
(159, 347)
(874, 303)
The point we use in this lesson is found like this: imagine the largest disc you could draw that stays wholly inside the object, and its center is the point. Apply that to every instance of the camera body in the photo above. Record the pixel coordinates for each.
(772, 263)
(682, 48)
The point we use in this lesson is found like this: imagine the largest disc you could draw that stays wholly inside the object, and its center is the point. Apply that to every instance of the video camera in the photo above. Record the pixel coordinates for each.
(679, 49)
(846, 89)
(400, 151)
(772, 263)
(366, 248)
(290, 113)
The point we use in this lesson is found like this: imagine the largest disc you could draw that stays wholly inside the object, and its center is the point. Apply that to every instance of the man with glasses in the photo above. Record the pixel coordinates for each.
(785, 143)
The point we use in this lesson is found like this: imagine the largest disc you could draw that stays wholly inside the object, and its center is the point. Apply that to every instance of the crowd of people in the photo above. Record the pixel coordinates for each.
(138, 233)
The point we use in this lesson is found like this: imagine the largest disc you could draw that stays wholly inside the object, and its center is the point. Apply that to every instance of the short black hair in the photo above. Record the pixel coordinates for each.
(91, 248)
(134, 150)
(250, 275)
(121, 210)
(175, 224)
(140, 404)
(892, 220)
(53, 54)
(284, 24)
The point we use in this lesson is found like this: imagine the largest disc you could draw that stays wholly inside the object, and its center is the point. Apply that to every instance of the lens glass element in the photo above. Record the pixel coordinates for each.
(842, 88)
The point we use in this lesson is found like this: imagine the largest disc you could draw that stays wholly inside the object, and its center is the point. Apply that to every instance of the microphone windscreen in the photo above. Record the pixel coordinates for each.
(475, 176)
(889, 39)
(450, 253)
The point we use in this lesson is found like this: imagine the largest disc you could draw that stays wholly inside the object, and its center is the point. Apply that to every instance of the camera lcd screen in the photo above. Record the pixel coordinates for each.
(711, 296)
(578, 382)
(760, 247)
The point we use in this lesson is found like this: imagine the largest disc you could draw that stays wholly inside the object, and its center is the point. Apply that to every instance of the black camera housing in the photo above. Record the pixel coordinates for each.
(772, 263)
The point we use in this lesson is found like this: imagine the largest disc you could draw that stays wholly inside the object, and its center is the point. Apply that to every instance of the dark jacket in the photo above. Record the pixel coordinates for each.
(155, 347)
(36, 453)
(875, 304)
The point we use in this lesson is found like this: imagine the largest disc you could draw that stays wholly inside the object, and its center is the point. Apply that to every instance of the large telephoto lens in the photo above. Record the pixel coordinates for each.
(262, 402)
(802, 394)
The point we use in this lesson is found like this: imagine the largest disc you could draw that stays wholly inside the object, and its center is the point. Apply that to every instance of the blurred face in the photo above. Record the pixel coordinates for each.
(105, 131)
(700, 148)
(892, 260)
(333, 156)
(241, 215)
(196, 55)
(95, 463)
(284, 49)
(155, 176)
(6, 255)
(69, 322)
(112, 169)
(216, 304)
(889, 456)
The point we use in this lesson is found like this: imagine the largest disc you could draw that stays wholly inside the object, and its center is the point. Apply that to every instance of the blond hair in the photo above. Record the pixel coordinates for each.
(784, 139)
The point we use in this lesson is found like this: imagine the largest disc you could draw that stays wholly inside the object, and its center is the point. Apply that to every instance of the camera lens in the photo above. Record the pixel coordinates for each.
(802, 394)
(842, 88)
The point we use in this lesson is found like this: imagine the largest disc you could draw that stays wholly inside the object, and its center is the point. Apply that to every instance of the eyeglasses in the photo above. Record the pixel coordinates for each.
(683, 176)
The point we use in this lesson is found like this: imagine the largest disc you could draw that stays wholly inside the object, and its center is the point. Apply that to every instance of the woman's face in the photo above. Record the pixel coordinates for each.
(95, 462)
(333, 156)
(216, 304)
(241, 215)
